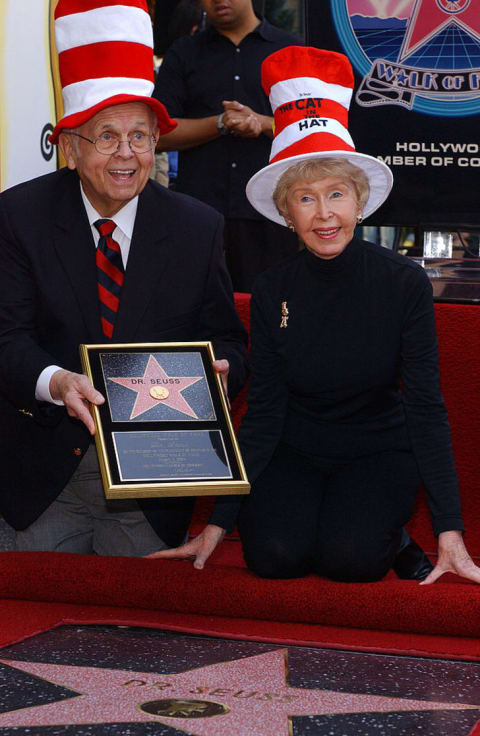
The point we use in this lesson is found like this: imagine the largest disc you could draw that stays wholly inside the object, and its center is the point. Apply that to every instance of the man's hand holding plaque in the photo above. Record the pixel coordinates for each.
(77, 393)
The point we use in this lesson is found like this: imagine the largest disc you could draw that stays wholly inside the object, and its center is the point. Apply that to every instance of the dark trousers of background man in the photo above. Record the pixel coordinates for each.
(252, 246)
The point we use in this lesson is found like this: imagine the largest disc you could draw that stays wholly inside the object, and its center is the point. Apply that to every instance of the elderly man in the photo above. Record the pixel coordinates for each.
(92, 252)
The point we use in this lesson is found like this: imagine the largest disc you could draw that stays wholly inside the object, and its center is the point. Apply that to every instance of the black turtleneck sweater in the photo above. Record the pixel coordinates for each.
(354, 372)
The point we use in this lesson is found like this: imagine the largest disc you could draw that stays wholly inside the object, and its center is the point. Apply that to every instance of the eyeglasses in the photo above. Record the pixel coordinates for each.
(108, 144)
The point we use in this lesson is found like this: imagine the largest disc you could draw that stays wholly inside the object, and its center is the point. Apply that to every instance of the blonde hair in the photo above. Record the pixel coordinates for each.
(319, 168)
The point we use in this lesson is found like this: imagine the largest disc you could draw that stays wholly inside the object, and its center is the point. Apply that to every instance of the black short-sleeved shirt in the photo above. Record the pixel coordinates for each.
(197, 74)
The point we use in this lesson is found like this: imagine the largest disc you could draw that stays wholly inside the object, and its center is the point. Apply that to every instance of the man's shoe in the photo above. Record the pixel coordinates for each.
(411, 562)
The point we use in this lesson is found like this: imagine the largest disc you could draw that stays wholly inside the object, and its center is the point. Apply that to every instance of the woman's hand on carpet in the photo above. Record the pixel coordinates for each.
(197, 549)
(453, 557)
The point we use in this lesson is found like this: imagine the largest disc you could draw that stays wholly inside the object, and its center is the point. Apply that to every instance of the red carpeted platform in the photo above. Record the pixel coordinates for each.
(42, 590)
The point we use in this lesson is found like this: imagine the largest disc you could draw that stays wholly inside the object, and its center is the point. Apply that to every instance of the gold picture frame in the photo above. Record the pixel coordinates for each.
(165, 427)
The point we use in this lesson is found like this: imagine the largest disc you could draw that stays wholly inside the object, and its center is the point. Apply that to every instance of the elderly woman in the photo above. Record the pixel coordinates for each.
(334, 450)
(345, 416)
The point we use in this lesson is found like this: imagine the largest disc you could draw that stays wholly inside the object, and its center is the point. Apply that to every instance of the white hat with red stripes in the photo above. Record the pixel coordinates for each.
(105, 56)
(310, 91)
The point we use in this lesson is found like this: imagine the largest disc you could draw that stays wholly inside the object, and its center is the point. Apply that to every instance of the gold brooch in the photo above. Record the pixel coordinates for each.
(284, 320)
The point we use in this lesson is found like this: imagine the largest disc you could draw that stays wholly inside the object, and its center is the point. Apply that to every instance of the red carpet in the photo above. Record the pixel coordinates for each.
(41, 590)
(390, 605)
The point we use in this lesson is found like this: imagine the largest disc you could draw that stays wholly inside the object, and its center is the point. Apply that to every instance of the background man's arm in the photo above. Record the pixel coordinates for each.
(238, 119)
(190, 132)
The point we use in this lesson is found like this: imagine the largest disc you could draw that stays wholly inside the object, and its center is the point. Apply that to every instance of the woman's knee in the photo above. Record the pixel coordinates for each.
(274, 559)
(355, 573)
(350, 563)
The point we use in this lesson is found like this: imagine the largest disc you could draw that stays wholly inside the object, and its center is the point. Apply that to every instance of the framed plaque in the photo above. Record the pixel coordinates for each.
(165, 427)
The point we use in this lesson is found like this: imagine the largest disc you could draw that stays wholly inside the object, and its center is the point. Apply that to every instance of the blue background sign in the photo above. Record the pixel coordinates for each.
(416, 103)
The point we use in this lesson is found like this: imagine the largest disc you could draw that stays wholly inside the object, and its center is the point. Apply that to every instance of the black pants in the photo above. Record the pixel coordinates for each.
(251, 246)
(341, 520)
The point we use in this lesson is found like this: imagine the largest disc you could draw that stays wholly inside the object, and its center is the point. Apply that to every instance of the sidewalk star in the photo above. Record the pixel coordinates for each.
(241, 697)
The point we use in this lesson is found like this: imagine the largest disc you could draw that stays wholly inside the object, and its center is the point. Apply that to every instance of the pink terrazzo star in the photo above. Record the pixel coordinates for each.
(253, 691)
(154, 373)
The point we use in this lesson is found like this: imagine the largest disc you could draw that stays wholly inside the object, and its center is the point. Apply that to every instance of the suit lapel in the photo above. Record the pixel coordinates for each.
(75, 248)
(147, 260)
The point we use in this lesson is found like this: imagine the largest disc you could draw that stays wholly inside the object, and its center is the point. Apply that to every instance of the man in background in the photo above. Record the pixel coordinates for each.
(210, 84)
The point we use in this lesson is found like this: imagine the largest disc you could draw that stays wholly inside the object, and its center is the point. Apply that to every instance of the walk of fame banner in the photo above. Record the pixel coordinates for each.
(416, 104)
(29, 89)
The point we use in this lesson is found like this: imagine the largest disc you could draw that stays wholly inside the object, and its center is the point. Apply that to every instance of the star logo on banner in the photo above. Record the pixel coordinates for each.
(155, 387)
(241, 697)
(431, 17)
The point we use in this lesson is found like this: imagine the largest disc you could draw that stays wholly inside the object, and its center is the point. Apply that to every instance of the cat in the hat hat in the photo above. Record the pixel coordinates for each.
(310, 91)
(105, 56)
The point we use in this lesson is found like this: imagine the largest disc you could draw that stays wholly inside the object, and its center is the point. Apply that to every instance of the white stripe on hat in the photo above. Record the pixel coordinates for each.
(296, 131)
(111, 23)
(303, 87)
(83, 95)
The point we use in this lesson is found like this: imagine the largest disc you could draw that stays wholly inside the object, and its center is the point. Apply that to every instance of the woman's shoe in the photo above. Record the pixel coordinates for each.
(411, 562)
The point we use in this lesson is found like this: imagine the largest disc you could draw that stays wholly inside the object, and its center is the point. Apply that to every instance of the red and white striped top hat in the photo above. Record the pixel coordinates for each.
(105, 56)
(310, 91)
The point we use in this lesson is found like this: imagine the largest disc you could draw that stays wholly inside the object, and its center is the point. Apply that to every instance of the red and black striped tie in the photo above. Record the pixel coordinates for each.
(109, 273)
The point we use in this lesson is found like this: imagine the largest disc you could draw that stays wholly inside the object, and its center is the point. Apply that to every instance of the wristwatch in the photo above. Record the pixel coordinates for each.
(222, 129)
